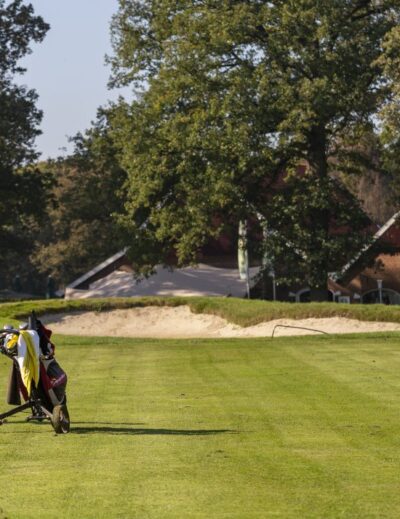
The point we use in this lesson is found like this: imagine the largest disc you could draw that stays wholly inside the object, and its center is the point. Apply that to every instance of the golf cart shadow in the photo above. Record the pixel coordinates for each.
(116, 429)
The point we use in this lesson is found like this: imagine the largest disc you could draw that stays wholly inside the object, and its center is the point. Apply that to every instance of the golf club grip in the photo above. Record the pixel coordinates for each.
(3, 333)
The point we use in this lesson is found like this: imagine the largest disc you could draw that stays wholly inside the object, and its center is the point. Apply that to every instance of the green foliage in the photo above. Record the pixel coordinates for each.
(22, 187)
(390, 112)
(80, 230)
(293, 211)
(234, 94)
(368, 177)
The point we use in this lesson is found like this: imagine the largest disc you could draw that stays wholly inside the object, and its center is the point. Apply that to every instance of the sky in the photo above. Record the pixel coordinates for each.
(67, 69)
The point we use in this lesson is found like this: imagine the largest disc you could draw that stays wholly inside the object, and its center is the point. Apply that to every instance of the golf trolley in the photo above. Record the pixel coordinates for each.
(47, 399)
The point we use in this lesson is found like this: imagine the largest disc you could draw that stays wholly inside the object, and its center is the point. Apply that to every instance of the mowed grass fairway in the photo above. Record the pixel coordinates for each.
(294, 427)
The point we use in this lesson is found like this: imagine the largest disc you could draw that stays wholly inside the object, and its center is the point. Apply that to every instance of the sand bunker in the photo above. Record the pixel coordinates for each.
(180, 322)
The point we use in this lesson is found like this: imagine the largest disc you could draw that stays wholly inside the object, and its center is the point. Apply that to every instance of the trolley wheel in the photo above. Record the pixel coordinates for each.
(60, 421)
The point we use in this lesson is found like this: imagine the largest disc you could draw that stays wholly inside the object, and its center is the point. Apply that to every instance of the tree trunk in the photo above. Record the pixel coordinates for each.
(319, 258)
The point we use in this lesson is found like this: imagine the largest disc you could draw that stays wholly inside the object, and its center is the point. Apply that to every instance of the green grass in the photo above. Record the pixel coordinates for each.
(239, 311)
(293, 427)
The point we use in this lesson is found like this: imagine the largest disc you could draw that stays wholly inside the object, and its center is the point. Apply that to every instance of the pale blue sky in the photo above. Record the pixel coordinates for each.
(67, 70)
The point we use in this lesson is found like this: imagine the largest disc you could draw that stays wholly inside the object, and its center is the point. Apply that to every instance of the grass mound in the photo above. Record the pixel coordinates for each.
(238, 311)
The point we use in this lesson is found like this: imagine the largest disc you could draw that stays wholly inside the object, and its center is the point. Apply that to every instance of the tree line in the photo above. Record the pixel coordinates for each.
(277, 113)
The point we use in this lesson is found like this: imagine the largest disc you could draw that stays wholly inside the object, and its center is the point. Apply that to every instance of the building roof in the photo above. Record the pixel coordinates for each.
(377, 236)
(188, 281)
(93, 273)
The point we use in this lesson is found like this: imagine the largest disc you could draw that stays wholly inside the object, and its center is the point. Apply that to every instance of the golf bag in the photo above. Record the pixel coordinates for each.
(47, 397)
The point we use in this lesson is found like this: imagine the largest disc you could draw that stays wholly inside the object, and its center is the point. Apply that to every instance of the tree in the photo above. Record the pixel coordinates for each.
(390, 113)
(236, 94)
(371, 181)
(21, 186)
(80, 230)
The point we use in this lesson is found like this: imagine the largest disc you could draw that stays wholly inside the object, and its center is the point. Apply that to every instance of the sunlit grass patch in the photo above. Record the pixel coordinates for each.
(290, 427)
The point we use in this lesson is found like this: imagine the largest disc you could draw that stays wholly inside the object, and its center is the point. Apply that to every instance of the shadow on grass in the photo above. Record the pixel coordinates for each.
(139, 431)
(46, 421)
(97, 424)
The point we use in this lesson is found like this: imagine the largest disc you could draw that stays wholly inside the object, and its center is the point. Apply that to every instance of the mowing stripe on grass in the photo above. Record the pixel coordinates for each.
(295, 427)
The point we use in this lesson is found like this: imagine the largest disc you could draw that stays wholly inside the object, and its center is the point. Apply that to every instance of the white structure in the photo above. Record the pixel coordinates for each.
(202, 280)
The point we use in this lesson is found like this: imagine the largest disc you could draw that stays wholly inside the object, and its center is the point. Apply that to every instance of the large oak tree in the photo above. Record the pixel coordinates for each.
(234, 93)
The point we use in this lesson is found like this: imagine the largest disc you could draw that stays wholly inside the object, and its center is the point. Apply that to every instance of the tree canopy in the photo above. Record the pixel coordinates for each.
(21, 187)
(234, 95)
(80, 230)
